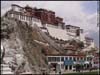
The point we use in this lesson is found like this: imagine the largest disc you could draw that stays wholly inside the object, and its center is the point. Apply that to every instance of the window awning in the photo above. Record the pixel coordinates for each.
(68, 62)
(79, 62)
(86, 62)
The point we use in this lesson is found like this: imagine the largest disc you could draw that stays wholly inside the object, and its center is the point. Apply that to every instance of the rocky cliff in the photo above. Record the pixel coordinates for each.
(28, 43)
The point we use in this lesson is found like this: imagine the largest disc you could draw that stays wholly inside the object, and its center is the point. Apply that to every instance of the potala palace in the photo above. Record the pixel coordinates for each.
(54, 27)
(49, 23)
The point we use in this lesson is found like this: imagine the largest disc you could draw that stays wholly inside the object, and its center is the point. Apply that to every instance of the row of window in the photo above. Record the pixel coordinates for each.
(70, 67)
(66, 58)
(22, 17)
(53, 59)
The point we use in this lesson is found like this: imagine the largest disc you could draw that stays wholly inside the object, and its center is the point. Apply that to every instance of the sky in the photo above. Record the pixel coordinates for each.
(77, 13)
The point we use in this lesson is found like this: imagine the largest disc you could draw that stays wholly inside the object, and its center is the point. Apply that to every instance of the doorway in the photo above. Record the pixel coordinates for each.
(66, 67)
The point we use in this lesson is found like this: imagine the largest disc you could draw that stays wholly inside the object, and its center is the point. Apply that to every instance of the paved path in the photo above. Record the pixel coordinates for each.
(65, 72)
(80, 71)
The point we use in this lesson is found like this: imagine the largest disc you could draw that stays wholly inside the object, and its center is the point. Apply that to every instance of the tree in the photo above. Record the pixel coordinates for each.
(78, 66)
(78, 44)
(72, 42)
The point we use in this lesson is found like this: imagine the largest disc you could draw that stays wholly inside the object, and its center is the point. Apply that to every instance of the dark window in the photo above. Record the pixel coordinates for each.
(62, 58)
(84, 58)
(74, 66)
(88, 59)
(57, 58)
(49, 58)
(70, 67)
(77, 32)
(66, 67)
(70, 58)
(81, 58)
(66, 58)
(74, 59)
(77, 58)
(54, 58)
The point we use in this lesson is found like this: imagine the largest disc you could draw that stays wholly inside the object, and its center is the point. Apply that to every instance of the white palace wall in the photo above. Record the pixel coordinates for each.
(29, 20)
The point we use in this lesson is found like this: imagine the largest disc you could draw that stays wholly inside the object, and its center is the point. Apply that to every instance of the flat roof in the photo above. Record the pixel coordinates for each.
(72, 26)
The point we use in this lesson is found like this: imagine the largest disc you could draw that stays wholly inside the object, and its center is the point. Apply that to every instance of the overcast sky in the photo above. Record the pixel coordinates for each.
(78, 13)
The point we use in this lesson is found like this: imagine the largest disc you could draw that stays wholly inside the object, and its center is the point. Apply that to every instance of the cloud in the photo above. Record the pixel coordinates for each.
(92, 20)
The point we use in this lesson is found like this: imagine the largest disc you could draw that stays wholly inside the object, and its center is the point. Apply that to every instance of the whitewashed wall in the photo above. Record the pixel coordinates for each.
(27, 19)
(57, 32)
